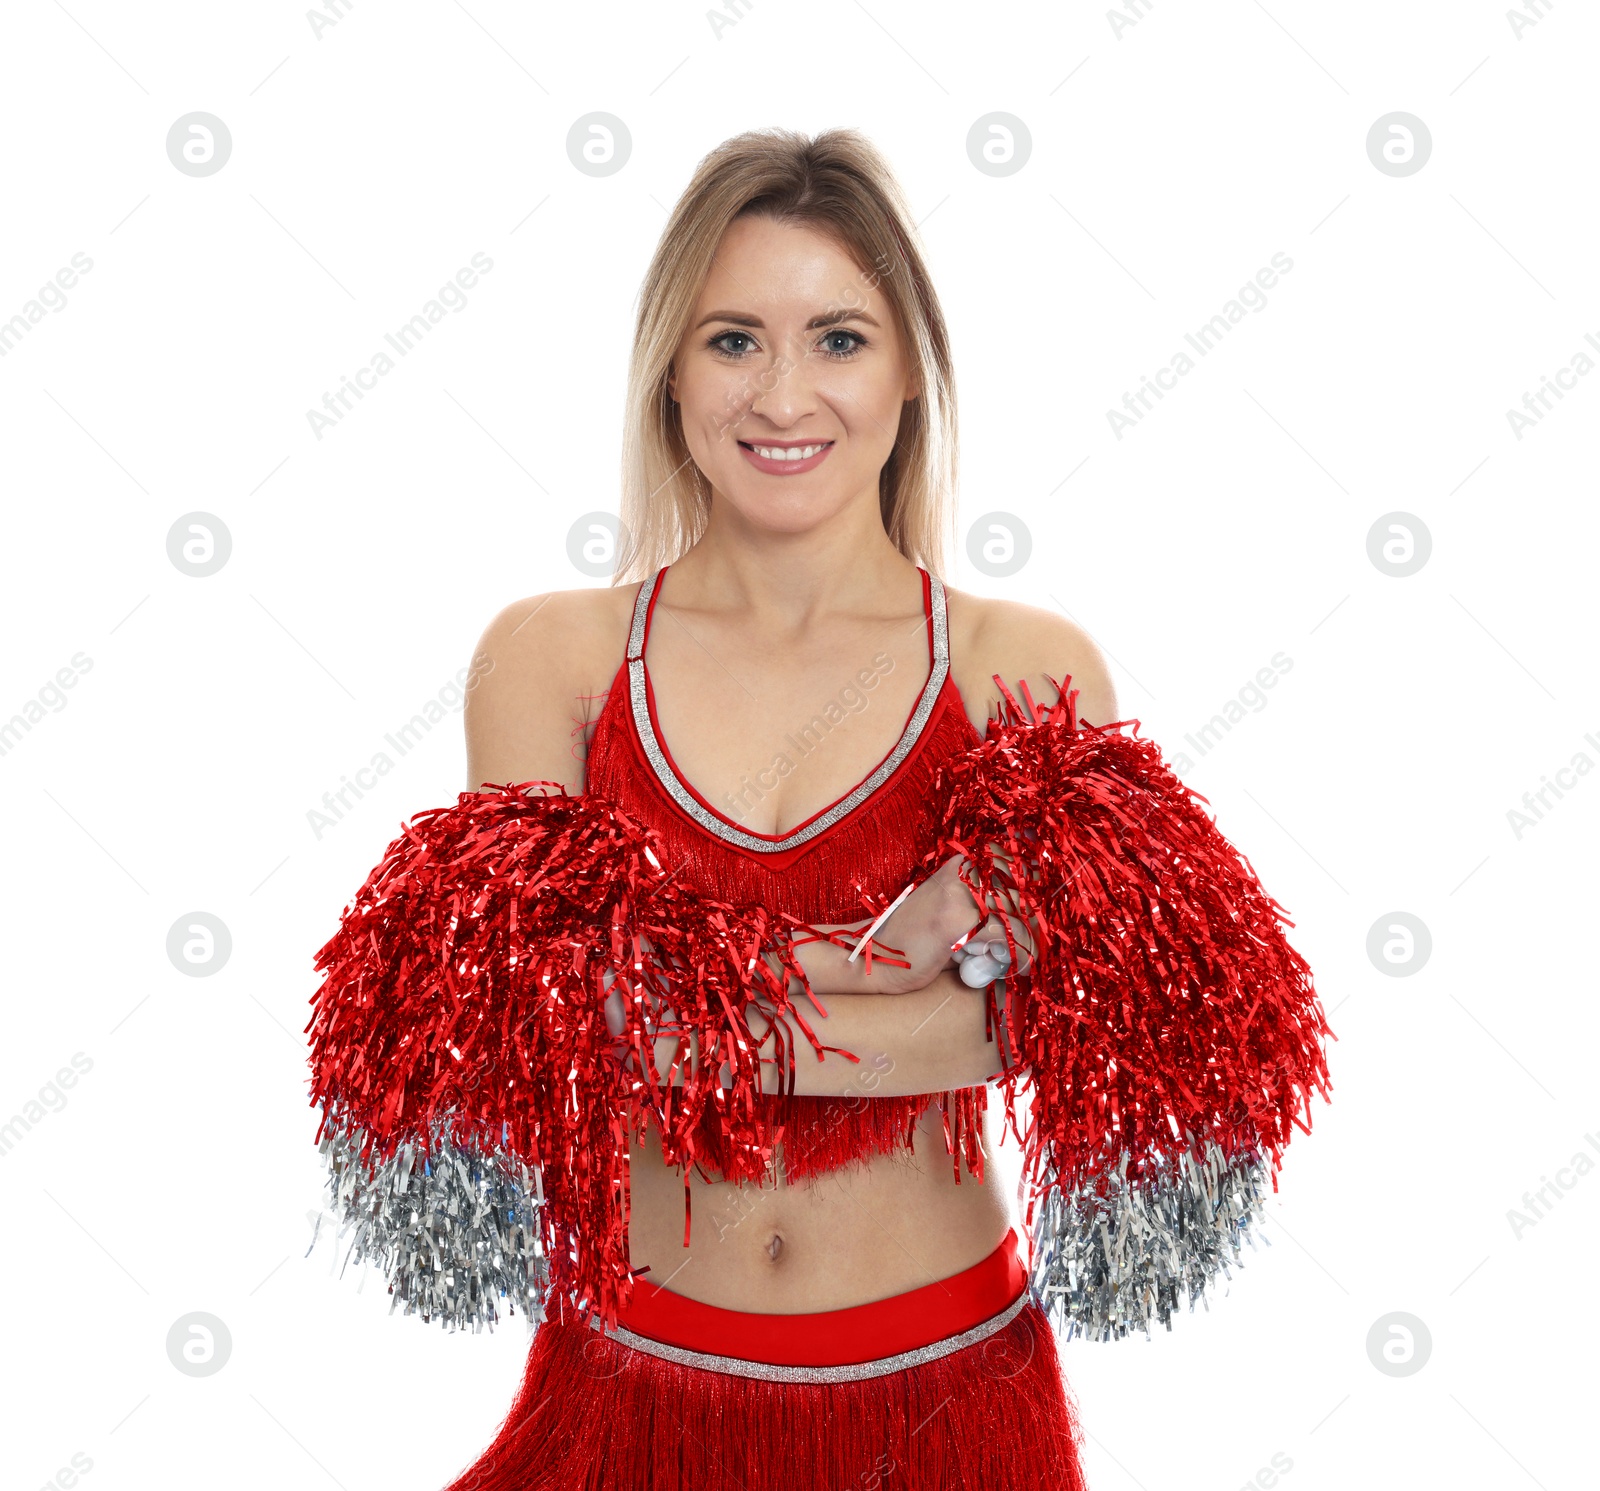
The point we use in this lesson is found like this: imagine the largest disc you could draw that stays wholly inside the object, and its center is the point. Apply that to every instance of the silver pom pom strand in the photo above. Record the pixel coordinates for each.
(1108, 1260)
(455, 1228)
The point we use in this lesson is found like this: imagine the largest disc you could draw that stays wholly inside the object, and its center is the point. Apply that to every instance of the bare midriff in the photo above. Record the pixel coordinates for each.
(875, 1228)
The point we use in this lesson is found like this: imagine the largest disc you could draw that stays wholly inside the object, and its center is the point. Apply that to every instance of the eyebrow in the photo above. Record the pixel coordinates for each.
(831, 318)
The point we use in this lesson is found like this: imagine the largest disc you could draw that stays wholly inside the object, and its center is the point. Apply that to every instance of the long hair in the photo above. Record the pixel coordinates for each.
(837, 184)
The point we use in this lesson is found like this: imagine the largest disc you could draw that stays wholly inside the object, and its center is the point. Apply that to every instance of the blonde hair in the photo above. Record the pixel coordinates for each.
(836, 183)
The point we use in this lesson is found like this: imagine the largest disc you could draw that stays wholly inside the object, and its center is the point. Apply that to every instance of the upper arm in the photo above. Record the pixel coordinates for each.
(1020, 641)
(537, 676)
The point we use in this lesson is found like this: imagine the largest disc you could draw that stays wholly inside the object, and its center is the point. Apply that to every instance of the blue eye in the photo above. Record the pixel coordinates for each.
(851, 350)
(856, 342)
(716, 342)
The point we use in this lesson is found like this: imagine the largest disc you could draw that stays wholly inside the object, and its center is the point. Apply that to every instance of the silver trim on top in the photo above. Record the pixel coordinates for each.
(735, 1366)
(734, 835)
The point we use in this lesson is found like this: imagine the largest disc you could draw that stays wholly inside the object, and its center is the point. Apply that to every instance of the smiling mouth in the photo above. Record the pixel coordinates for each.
(787, 452)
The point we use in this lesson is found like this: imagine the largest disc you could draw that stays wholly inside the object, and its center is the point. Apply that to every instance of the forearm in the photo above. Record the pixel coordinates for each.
(830, 969)
(929, 1040)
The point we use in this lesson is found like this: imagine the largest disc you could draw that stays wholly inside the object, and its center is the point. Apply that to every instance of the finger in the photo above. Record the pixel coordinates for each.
(994, 935)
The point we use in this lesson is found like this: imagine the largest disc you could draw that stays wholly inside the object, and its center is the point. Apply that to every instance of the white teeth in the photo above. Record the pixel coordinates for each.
(778, 453)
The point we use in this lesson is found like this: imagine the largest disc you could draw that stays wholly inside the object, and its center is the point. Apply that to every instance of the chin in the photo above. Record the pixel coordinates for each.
(795, 514)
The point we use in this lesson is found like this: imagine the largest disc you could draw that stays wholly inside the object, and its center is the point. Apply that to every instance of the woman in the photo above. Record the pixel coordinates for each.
(792, 592)
(562, 1049)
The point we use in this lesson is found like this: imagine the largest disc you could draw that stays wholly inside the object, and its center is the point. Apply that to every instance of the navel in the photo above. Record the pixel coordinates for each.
(774, 1247)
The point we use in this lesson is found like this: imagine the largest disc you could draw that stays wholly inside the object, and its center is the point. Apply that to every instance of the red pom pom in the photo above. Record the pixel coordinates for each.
(1165, 1011)
(465, 1000)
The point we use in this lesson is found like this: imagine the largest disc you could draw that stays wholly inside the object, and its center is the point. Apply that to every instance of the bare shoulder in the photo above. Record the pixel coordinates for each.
(538, 677)
(990, 634)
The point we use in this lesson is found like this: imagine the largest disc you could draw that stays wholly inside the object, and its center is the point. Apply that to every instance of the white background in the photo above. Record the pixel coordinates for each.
(1169, 161)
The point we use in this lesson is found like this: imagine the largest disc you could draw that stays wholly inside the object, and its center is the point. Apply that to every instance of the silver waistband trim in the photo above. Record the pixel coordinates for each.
(735, 1366)
(709, 820)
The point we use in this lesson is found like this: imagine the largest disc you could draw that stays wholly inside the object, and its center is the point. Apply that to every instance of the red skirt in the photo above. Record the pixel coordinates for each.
(953, 1385)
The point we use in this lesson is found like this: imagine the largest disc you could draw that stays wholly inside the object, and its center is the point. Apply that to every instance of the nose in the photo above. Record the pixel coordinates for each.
(783, 394)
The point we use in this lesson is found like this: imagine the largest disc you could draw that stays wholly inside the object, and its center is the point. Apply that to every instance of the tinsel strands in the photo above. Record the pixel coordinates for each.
(1166, 1027)
(465, 998)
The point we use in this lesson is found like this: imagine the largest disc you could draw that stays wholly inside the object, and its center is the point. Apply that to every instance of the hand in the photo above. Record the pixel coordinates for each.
(946, 915)
(922, 931)
(986, 957)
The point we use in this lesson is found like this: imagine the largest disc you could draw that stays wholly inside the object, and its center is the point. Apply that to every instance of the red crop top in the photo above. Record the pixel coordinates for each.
(842, 864)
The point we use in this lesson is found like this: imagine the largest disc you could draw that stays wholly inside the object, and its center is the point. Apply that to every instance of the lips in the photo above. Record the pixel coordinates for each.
(786, 465)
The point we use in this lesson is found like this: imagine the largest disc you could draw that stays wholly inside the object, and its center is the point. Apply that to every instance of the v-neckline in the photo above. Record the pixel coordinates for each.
(648, 730)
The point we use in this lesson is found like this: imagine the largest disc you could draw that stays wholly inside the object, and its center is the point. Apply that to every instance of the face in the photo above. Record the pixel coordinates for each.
(791, 347)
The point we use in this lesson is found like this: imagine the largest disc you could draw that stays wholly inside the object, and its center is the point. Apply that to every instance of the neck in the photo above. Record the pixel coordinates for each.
(787, 581)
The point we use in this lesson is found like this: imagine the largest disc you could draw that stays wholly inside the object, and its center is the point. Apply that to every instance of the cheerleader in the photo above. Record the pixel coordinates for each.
(676, 1032)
